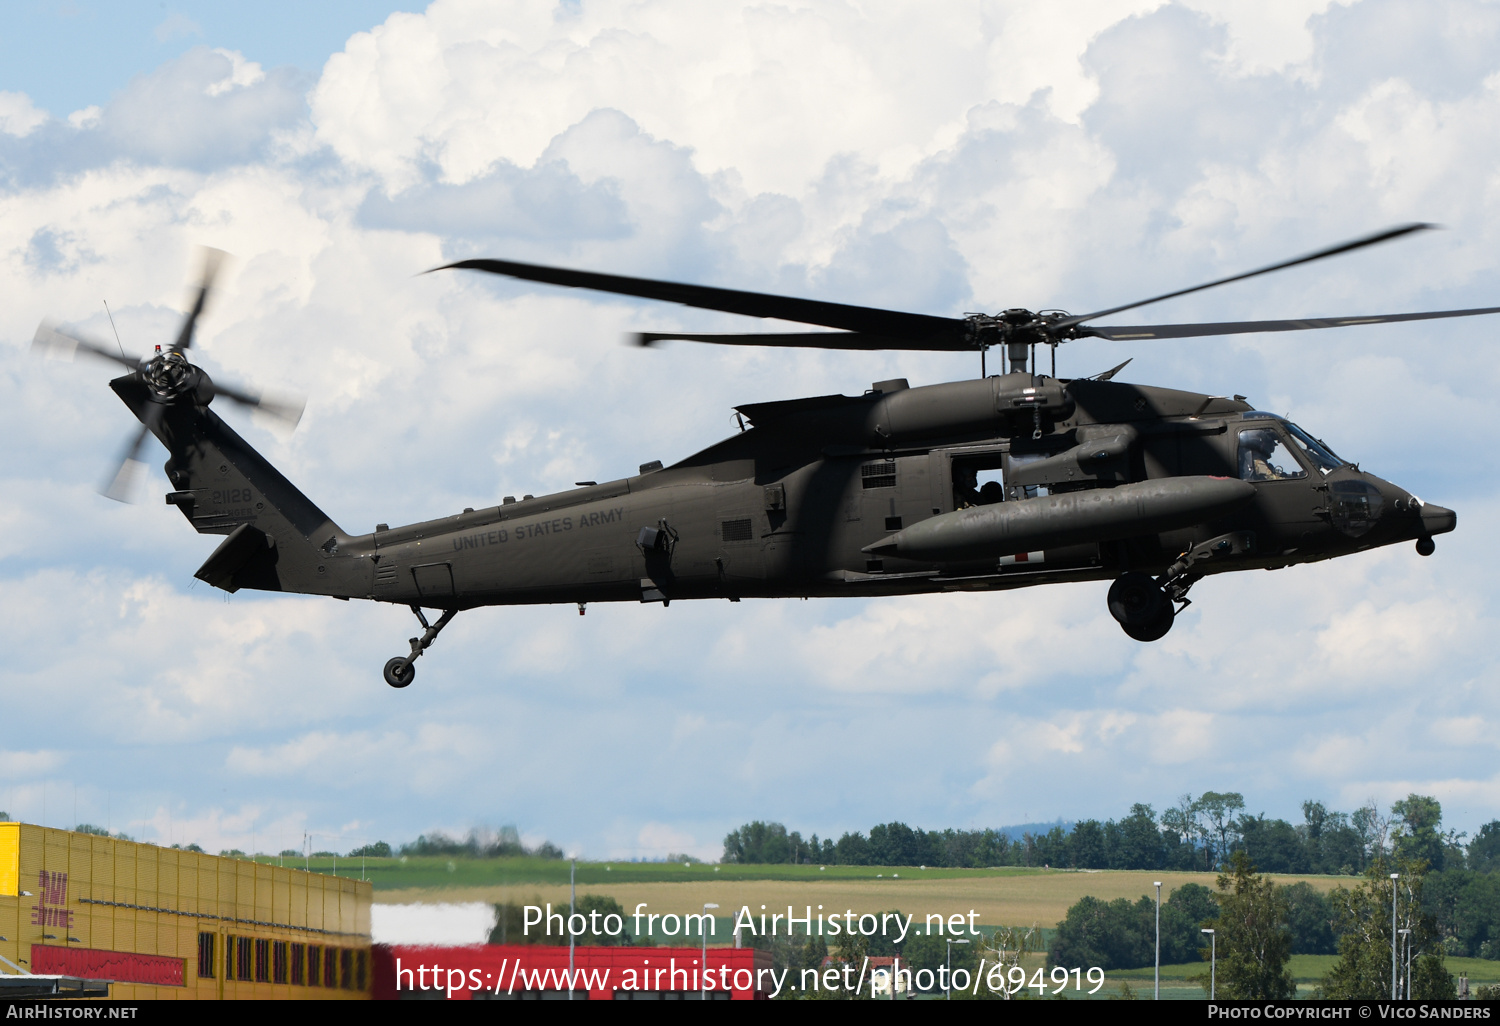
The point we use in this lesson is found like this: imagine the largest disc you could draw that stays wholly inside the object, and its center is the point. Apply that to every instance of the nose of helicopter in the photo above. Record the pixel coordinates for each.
(1429, 519)
(1437, 519)
(1410, 517)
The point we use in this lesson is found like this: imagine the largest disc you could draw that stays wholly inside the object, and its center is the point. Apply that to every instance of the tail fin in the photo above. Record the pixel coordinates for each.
(278, 539)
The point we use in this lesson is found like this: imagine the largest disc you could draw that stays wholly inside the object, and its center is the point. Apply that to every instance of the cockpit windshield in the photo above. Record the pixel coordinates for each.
(1266, 455)
(1317, 453)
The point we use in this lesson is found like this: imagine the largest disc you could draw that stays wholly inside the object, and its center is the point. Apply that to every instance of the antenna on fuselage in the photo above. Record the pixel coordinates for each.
(114, 329)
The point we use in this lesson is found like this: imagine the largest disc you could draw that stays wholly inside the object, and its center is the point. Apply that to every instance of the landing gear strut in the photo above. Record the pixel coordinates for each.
(402, 670)
(1146, 608)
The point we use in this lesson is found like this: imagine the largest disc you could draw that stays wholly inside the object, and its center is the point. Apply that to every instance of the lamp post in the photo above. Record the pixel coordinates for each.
(948, 993)
(702, 992)
(1156, 994)
(1406, 959)
(572, 908)
(1213, 963)
(1394, 984)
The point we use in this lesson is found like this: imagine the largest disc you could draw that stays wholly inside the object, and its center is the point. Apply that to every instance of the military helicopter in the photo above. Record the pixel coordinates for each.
(1003, 481)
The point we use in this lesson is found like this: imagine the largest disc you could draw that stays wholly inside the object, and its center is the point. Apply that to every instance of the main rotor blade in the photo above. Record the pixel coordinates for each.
(847, 340)
(1129, 332)
(61, 346)
(1343, 247)
(122, 486)
(288, 410)
(213, 259)
(892, 323)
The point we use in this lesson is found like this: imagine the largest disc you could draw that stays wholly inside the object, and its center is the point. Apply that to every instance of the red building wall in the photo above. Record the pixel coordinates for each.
(497, 970)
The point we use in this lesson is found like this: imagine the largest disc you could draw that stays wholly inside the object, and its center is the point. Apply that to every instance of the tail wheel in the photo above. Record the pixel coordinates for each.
(400, 672)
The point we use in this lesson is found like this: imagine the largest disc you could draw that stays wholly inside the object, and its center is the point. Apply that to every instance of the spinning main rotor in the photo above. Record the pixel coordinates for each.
(869, 328)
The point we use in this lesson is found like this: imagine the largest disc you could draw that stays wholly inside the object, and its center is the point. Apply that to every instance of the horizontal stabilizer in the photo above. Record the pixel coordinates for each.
(233, 554)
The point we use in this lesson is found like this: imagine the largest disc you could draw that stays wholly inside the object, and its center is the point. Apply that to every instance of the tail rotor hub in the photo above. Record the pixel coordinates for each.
(169, 374)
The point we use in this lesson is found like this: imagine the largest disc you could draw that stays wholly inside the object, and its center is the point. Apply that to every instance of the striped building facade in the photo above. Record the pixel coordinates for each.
(164, 923)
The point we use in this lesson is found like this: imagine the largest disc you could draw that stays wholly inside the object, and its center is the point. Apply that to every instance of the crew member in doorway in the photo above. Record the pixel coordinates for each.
(965, 487)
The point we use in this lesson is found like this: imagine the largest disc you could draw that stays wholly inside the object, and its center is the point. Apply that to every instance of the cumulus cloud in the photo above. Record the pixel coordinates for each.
(546, 202)
(207, 108)
(18, 115)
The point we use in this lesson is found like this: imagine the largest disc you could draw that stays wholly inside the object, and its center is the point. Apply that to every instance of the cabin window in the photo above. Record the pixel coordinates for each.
(1266, 456)
(879, 475)
(299, 965)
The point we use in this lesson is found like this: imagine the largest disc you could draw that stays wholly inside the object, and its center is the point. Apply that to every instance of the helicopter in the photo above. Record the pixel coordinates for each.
(1004, 481)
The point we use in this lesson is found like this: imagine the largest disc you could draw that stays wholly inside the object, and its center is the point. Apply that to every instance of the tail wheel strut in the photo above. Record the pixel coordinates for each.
(401, 670)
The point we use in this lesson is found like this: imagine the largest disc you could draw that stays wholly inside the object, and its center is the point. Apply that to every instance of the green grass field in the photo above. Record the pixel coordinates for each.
(1002, 896)
(428, 872)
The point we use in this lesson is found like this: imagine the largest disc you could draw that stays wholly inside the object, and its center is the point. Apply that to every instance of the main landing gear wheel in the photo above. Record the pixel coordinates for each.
(1156, 629)
(1140, 606)
(400, 672)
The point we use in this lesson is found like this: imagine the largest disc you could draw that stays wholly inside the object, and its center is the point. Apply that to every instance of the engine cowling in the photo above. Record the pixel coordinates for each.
(1014, 403)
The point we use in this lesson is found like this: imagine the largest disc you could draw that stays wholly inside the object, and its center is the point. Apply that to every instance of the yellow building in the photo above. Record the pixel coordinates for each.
(165, 923)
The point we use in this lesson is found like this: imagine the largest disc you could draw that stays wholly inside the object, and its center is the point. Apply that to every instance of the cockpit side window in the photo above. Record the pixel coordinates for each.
(1266, 456)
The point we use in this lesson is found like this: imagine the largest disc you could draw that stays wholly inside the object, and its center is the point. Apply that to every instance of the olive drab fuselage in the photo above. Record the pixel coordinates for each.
(878, 494)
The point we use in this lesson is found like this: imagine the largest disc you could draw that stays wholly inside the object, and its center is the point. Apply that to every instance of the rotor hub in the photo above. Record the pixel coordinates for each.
(1018, 330)
(169, 374)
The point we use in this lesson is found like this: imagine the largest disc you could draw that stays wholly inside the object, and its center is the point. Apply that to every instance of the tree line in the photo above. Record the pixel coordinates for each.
(477, 844)
(1259, 924)
(1197, 833)
(1445, 896)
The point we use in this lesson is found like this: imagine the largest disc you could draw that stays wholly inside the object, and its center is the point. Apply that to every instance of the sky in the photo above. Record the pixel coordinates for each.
(970, 156)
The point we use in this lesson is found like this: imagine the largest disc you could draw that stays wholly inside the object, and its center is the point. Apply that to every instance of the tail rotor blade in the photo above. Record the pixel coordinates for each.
(287, 410)
(61, 346)
(123, 486)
